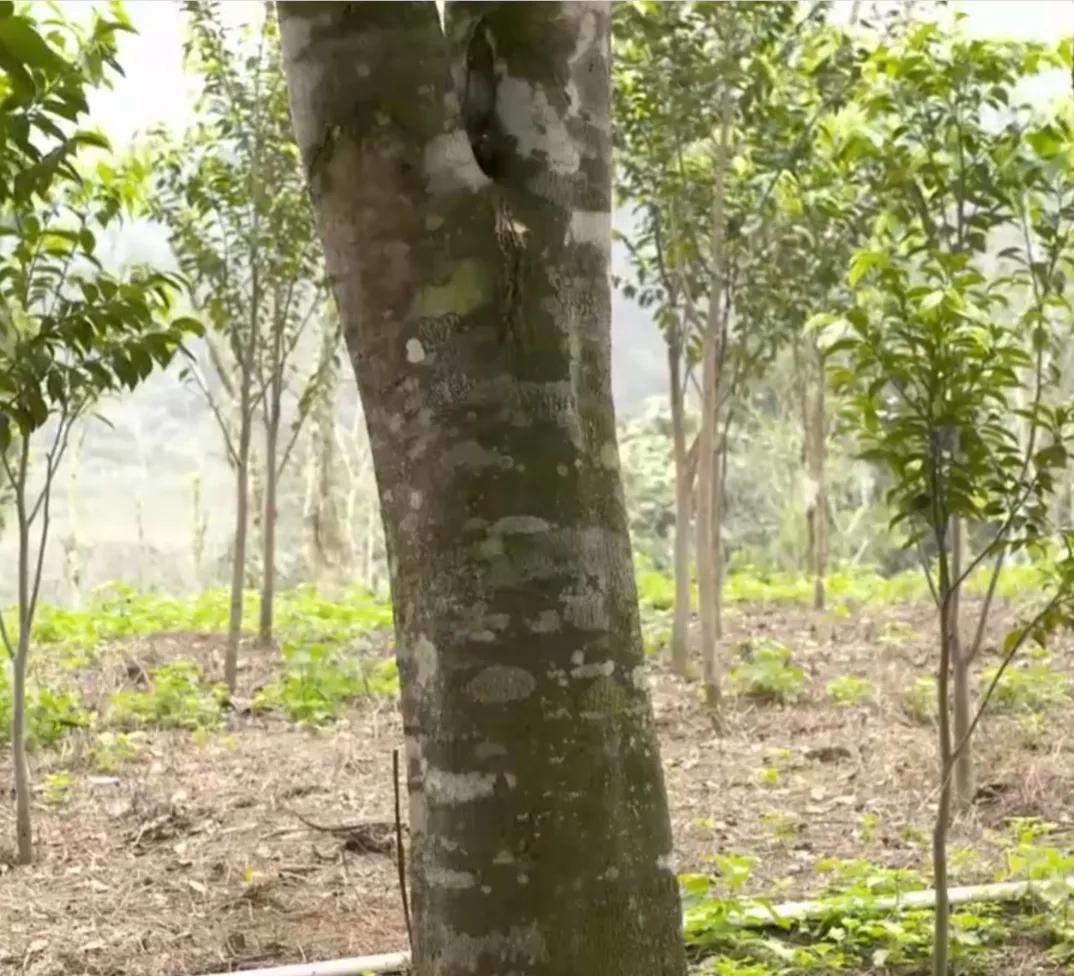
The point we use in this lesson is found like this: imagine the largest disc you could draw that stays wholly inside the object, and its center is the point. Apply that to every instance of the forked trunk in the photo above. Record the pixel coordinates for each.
(469, 253)
(683, 483)
(708, 583)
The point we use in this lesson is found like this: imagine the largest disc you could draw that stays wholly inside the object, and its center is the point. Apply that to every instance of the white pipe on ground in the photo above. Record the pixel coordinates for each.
(391, 962)
(800, 911)
(754, 915)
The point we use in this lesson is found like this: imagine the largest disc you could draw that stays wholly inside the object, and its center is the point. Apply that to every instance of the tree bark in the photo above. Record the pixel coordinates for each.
(961, 706)
(941, 932)
(24, 842)
(24, 826)
(476, 312)
(268, 520)
(680, 623)
(708, 461)
(329, 543)
(816, 483)
(238, 556)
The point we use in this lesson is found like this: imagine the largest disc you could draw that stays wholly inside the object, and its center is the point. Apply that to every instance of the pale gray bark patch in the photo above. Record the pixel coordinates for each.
(536, 125)
(425, 659)
(500, 683)
(450, 165)
(520, 525)
(609, 456)
(415, 351)
(594, 670)
(593, 228)
(446, 878)
(546, 622)
(585, 611)
(447, 788)
(470, 454)
(518, 947)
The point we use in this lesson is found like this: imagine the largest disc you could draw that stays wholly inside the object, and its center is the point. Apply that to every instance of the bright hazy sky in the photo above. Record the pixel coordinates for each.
(154, 89)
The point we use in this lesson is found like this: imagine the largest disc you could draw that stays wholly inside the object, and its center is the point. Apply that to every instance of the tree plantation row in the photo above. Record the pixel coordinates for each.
(851, 227)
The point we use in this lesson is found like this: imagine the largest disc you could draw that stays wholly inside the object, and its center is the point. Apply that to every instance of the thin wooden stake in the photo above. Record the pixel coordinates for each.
(400, 855)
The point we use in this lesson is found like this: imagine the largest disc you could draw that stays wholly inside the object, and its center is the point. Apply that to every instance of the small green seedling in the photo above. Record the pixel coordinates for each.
(850, 690)
(767, 674)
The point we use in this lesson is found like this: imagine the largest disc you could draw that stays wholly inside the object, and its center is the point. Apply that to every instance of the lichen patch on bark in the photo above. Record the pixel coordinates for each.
(499, 684)
(446, 788)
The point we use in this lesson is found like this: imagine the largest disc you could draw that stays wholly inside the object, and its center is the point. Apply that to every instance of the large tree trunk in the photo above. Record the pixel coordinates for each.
(476, 312)
(683, 484)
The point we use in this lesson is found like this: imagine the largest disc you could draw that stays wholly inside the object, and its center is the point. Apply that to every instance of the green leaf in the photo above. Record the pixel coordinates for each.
(20, 41)
(862, 263)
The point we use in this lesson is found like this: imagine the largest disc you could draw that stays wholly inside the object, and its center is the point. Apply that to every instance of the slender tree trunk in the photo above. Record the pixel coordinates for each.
(817, 484)
(238, 560)
(708, 471)
(476, 311)
(948, 630)
(962, 713)
(268, 521)
(24, 842)
(719, 477)
(681, 619)
(941, 935)
(24, 845)
(330, 545)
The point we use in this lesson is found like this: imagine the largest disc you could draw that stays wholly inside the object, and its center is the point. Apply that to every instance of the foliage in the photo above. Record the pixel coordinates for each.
(920, 699)
(115, 750)
(58, 788)
(328, 664)
(232, 194)
(767, 674)
(118, 610)
(656, 589)
(51, 713)
(1031, 684)
(849, 690)
(318, 683)
(649, 487)
(853, 930)
(69, 330)
(939, 338)
(177, 697)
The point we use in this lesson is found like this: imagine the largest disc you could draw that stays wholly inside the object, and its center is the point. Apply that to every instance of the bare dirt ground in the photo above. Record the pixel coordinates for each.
(264, 843)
